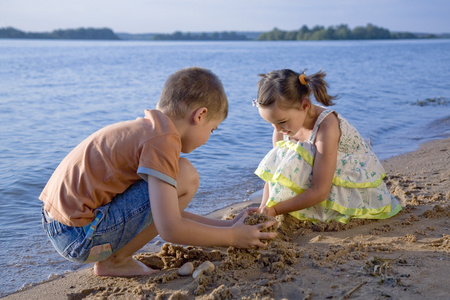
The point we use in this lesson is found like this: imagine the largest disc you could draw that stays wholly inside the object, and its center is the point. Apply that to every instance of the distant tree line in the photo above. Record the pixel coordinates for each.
(70, 34)
(215, 36)
(340, 32)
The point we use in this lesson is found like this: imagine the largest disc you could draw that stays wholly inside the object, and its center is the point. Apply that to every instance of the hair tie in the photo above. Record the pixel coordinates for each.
(302, 79)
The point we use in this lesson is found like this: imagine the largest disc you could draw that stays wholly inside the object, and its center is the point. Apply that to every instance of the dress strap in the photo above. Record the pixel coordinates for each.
(321, 117)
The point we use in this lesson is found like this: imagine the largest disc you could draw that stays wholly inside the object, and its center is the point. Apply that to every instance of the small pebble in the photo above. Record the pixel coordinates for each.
(207, 266)
(186, 269)
(197, 273)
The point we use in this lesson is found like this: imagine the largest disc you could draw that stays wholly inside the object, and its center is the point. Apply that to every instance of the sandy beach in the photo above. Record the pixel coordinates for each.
(405, 257)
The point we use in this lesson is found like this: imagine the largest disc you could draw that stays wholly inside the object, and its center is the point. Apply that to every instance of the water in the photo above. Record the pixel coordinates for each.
(53, 94)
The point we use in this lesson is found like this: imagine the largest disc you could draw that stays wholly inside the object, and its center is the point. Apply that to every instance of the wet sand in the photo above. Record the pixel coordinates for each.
(405, 257)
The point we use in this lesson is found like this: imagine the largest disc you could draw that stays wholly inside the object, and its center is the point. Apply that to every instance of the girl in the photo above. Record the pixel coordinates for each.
(320, 168)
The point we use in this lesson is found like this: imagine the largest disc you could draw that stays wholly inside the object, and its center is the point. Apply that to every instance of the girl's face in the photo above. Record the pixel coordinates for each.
(287, 121)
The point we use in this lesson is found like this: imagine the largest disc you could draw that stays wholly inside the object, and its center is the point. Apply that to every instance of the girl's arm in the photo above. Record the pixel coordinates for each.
(265, 196)
(276, 136)
(327, 142)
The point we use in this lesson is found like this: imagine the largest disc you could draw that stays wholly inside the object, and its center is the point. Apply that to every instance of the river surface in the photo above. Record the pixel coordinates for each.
(53, 94)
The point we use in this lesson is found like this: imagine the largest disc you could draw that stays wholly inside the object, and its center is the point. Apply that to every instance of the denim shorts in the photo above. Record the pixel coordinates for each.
(114, 226)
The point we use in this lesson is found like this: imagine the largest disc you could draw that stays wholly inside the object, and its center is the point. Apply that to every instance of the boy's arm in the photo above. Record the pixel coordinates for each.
(206, 220)
(217, 222)
(175, 227)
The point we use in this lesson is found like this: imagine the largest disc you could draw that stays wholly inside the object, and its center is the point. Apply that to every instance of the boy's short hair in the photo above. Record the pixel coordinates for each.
(192, 88)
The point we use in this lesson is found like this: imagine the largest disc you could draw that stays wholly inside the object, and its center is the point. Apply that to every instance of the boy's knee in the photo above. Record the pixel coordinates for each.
(187, 173)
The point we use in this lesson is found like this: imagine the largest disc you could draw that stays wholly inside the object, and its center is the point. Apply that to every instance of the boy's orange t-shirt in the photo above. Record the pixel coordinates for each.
(108, 162)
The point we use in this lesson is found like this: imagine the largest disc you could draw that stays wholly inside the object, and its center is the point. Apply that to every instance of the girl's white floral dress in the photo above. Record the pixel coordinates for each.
(358, 189)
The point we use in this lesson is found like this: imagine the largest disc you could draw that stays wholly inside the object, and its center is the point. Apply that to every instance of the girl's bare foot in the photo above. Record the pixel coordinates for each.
(125, 267)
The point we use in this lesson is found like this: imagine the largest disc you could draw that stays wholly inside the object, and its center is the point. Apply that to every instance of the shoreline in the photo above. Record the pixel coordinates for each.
(407, 256)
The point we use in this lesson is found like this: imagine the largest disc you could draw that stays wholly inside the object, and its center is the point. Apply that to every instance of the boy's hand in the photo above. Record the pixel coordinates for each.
(244, 214)
(250, 236)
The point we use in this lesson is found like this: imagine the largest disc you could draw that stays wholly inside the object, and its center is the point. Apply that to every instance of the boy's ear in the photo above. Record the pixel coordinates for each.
(199, 114)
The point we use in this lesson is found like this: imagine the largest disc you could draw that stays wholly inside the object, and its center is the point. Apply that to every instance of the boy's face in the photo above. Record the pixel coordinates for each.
(199, 134)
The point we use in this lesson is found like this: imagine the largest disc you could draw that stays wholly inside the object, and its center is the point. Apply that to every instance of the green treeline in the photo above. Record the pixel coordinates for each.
(70, 34)
(340, 32)
(215, 36)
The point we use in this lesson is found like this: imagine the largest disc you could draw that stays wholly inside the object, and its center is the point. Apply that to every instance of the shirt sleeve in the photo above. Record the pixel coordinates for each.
(144, 172)
(159, 158)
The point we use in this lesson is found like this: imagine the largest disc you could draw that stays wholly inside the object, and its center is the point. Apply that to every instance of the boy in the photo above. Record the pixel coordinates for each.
(98, 209)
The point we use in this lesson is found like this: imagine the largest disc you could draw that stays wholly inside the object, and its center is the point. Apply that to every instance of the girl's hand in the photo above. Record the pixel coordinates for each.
(270, 211)
(250, 236)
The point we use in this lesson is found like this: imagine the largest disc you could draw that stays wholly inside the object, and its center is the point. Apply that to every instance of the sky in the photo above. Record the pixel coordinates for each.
(168, 16)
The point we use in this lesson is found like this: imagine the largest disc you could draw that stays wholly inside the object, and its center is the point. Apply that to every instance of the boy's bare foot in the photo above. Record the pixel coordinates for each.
(126, 267)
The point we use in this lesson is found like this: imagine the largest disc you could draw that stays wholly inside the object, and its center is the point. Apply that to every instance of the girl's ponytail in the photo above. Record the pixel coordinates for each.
(317, 84)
